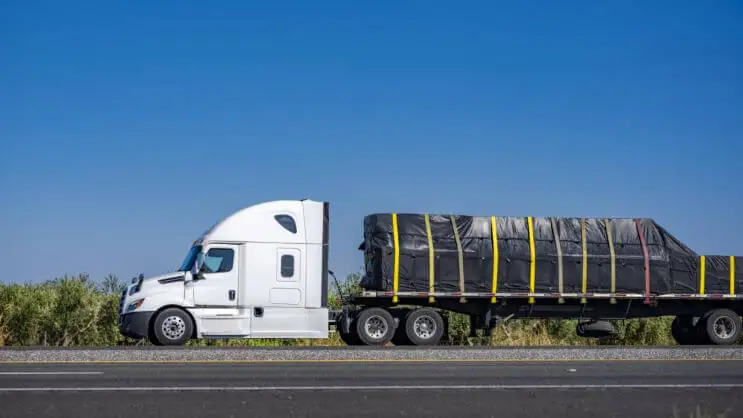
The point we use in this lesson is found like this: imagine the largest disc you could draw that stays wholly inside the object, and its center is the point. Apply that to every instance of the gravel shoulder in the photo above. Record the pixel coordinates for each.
(206, 354)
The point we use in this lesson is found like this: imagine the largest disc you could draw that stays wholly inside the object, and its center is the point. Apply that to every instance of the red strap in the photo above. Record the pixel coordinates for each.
(647, 260)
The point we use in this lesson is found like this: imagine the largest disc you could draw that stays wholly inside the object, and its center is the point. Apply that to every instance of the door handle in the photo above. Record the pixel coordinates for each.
(258, 312)
(231, 294)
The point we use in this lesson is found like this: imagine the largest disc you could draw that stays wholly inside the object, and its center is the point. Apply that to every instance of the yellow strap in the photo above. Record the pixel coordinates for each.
(532, 265)
(431, 271)
(396, 268)
(584, 285)
(460, 257)
(732, 275)
(610, 238)
(702, 267)
(494, 226)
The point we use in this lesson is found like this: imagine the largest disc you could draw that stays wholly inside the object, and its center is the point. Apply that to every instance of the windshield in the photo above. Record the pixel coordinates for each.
(190, 258)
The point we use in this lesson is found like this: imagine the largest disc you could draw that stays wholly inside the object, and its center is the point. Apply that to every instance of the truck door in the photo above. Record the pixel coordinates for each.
(219, 286)
(277, 292)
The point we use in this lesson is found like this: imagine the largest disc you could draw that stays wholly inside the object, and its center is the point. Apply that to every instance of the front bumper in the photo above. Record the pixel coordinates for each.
(135, 324)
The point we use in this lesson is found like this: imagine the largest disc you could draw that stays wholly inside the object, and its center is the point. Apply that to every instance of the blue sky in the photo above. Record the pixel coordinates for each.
(129, 128)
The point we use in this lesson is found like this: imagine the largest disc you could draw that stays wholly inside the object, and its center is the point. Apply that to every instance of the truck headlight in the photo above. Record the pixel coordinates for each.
(135, 305)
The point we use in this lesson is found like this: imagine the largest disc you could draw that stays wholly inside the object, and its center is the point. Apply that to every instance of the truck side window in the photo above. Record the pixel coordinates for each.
(219, 260)
(287, 222)
(287, 265)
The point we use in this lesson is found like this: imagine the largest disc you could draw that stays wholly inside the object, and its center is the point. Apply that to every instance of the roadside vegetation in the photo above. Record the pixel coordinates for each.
(78, 311)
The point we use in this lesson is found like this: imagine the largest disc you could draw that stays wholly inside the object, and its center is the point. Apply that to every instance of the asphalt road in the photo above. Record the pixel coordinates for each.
(374, 388)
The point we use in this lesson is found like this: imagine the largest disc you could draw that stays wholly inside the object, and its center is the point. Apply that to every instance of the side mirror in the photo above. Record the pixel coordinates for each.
(198, 267)
(199, 264)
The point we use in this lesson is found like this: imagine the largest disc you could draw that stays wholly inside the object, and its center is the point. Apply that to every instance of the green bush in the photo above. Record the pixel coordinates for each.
(75, 311)
(67, 311)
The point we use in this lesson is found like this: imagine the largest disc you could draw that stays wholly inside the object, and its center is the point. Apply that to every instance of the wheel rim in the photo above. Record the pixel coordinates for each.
(375, 327)
(424, 327)
(724, 327)
(173, 327)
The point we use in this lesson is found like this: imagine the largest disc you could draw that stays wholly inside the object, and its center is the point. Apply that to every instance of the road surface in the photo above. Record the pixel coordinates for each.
(350, 389)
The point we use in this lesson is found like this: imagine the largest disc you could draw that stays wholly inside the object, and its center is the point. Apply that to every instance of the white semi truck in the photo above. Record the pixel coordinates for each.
(262, 272)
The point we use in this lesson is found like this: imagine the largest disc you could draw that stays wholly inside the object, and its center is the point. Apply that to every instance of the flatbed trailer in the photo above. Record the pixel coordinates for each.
(262, 272)
(699, 319)
(613, 255)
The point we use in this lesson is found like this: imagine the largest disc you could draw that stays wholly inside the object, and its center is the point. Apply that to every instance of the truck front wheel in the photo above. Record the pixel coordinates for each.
(172, 326)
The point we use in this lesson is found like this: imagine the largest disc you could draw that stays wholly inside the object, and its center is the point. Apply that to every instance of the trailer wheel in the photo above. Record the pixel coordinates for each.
(424, 326)
(375, 326)
(172, 326)
(685, 332)
(722, 327)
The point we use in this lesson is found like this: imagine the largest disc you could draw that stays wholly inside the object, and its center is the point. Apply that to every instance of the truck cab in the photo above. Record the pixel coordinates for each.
(261, 272)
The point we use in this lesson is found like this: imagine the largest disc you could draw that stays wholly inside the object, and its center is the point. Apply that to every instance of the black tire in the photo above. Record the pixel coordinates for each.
(424, 326)
(722, 327)
(595, 329)
(349, 338)
(685, 331)
(375, 326)
(178, 324)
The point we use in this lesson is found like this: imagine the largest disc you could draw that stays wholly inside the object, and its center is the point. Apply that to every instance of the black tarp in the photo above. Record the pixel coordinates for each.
(674, 268)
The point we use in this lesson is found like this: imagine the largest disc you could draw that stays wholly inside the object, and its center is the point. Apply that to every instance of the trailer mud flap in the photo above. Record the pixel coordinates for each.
(343, 322)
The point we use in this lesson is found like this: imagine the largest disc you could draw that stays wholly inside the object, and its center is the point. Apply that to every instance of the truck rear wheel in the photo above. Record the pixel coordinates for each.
(172, 326)
(424, 326)
(375, 326)
(722, 326)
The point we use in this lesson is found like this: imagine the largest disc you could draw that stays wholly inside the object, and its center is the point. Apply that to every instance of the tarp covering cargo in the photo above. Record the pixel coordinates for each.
(455, 253)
